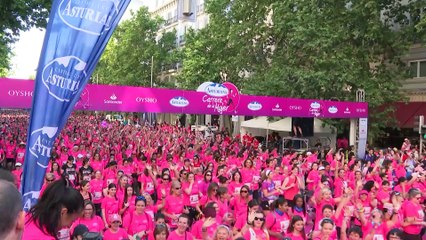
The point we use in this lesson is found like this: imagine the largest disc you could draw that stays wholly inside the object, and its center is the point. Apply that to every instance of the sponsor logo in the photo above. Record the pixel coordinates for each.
(315, 105)
(216, 90)
(113, 100)
(361, 110)
(333, 109)
(20, 93)
(146, 100)
(62, 77)
(347, 111)
(42, 140)
(277, 108)
(179, 102)
(92, 17)
(30, 198)
(295, 107)
(254, 106)
(315, 109)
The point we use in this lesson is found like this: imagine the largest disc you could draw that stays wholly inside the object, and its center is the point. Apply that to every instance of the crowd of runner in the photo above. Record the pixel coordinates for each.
(136, 181)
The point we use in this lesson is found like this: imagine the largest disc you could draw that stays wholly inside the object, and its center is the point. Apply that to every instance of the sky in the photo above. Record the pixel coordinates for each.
(27, 50)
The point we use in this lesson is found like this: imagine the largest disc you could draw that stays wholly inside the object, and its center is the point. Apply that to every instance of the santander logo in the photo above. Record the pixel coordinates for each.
(254, 106)
(179, 102)
(216, 90)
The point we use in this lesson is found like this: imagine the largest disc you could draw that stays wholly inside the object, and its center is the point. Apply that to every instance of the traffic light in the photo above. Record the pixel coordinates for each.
(419, 124)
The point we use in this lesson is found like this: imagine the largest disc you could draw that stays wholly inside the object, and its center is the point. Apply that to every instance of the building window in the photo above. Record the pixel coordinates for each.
(418, 68)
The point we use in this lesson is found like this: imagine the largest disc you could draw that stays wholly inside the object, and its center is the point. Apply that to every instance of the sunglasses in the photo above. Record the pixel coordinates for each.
(208, 175)
(259, 219)
(116, 222)
(166, 179)
(177, 188)
(244, 191)
(50, 180)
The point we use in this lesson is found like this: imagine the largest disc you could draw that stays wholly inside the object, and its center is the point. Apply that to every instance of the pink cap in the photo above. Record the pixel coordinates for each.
(114, 218)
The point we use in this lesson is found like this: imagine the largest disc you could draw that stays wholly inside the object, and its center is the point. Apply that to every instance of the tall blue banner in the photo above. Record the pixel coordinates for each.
(76, 35)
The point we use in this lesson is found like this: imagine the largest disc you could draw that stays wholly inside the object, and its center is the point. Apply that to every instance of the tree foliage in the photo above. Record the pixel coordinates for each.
(128, 55)
(323, 49)
(17, 16)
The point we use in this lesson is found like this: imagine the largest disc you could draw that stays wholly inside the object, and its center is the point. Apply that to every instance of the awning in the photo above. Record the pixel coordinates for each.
(405, 113)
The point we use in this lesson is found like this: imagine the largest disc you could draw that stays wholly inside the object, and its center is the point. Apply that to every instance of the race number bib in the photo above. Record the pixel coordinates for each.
(109, 181)
(193, 199)
(256, 178)
(284, 225)
(149, 186)
(237, 190)
(174, 221)
(97, 195)
(378, 237)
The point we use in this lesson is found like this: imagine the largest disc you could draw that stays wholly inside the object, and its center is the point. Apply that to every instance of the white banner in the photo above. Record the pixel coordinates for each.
(362, 137)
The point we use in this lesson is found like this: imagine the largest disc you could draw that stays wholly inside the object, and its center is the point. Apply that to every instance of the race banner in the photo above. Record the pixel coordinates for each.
(17, 94)
(76, 36)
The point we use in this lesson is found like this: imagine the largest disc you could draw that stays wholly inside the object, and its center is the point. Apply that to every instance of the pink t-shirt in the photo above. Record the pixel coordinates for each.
(293, 237)
(33, 232)
(416, 211)
(196, 229)
(175, 236)
(260, 234)
(96, 189)
(110, 205)
(174, 205)
(193, 198)
(135, 223)
(94, 224)
(277, 223)
(119, 235)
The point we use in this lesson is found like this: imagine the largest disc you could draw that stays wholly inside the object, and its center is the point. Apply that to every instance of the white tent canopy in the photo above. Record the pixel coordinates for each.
(283, 125)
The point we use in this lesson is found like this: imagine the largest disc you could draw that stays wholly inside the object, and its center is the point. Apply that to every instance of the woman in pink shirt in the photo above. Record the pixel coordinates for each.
(296, 230)
(413, 215)
(204, 184)
(59, 207)
(191, 193)
(174, 204)
(110, 204)
(240, 202)
(96, 190)
(163, 188)
(56, 170)
(93, 222)
(326, 230)
(211, 194)
(115, 232)
(236, 183)
(255, 227)
(138, 223)
(126, 203)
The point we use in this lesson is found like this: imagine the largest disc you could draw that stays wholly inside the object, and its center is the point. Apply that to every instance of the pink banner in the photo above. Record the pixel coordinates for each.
(16, 93)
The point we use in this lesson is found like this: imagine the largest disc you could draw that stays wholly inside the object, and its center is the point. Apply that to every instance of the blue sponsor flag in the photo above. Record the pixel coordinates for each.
(76, 36)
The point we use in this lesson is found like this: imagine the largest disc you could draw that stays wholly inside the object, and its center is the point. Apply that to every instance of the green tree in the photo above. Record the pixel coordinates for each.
(17, 16)
(127, 59)
(324, 49)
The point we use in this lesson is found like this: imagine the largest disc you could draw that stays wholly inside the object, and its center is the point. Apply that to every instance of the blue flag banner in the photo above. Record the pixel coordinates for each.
(76, 35)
